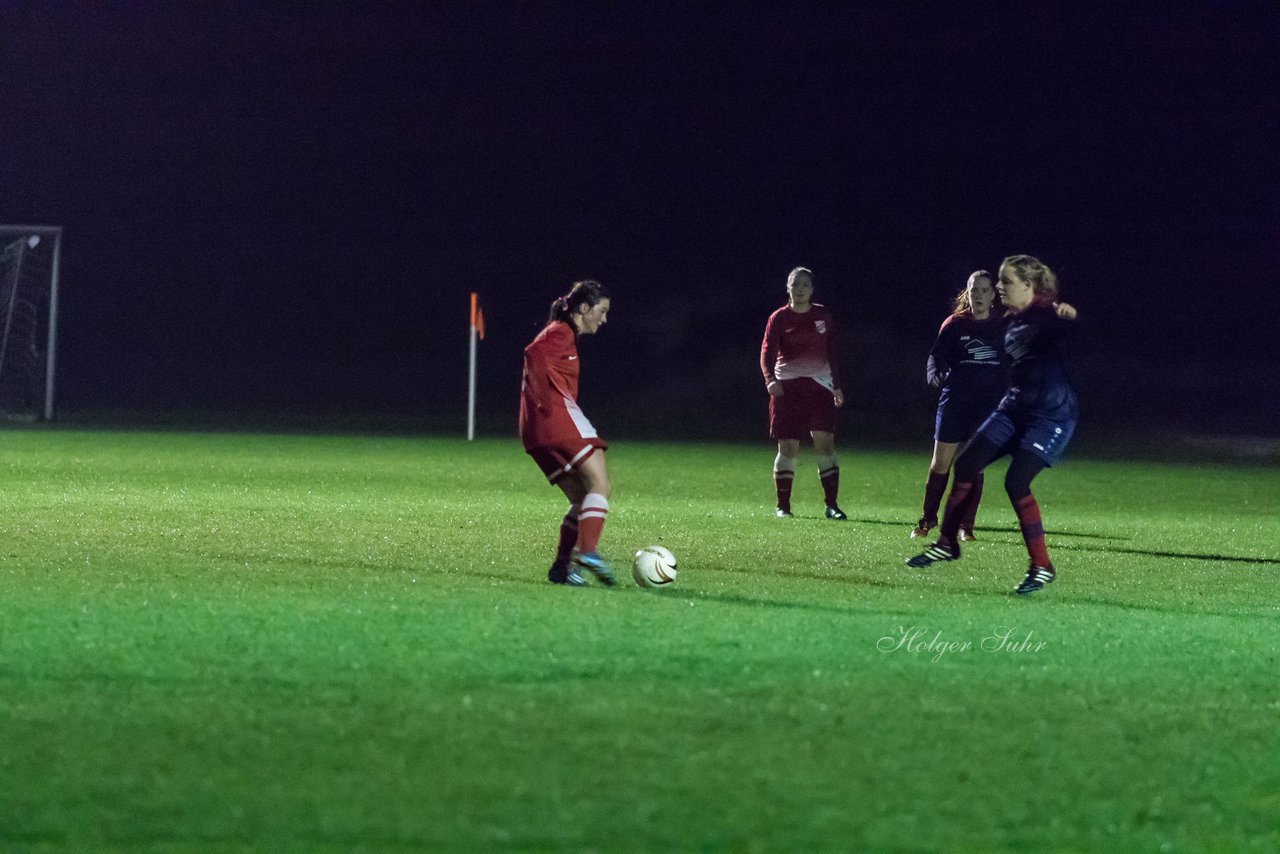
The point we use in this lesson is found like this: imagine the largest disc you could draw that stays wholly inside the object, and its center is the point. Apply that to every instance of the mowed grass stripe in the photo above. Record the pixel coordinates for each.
(346, 641)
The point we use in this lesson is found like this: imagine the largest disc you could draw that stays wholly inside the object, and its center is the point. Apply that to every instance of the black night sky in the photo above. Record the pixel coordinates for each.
(283, 207)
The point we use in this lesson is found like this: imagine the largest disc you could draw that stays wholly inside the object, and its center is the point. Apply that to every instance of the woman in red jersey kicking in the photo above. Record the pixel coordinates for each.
(797, 359)
(560, 438)
(965, 363)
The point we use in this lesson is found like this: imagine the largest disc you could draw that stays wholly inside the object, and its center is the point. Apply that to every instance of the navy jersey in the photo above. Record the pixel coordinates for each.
(966, 359)
(1039, 384)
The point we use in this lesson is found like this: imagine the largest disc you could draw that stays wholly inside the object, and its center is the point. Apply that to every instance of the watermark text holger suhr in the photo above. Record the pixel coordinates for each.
(923, 641)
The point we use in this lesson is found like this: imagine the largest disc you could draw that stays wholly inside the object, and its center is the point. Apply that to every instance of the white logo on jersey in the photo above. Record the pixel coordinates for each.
(821, 326)
(980, 351)
(571, 358)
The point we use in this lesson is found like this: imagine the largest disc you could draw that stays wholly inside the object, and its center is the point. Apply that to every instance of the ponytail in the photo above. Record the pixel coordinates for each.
(1043, 281)
(587, 292)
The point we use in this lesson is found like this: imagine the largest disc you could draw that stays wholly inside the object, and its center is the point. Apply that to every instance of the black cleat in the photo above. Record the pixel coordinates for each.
(782, 514)
(936, 553)
(1037, 578)
(834, 512)
(966, 535)
(564, 573)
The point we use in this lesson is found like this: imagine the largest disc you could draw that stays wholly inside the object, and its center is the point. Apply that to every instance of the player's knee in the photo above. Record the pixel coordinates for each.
(574, 490)
(1017, 484)
(943, 456)
(967, 469)
(1023, 468)
(600, 485)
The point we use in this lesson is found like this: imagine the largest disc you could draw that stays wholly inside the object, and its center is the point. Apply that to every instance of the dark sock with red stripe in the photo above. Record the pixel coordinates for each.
(1032, 529)
(568, 534)
(934, 488)
(971, 508)
(957, 507)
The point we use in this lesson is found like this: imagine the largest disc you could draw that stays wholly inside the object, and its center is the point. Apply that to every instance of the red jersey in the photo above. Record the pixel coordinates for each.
(800, 345)
(549, 413)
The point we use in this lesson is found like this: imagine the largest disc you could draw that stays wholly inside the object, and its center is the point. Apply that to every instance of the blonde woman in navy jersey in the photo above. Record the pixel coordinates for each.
(801, 374)
(965, 364)
(1033, 422)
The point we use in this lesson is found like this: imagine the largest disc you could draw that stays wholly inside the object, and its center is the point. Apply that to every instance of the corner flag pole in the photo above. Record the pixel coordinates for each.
(477, 331)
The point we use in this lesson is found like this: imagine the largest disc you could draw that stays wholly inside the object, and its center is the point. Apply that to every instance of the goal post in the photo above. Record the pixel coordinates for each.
(30, 257)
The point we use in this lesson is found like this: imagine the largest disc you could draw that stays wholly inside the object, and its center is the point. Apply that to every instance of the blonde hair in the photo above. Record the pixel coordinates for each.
(962, 305)
(1033, 271)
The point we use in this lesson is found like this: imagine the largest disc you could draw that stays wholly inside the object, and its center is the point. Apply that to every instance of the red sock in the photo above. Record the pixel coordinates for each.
(971, 507)
(568, 534)
(934, 487)
(957, 505)
(591, 521)
(830, 485)
(1032, 529)
(782, 484)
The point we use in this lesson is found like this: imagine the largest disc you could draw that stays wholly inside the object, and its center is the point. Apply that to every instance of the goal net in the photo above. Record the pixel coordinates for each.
(29, 258)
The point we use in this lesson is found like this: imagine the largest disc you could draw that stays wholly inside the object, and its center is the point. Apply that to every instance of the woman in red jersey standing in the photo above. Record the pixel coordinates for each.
(558, 435)
(797, 359)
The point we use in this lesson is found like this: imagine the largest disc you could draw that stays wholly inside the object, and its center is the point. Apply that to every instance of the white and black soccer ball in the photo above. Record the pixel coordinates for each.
(654, 566)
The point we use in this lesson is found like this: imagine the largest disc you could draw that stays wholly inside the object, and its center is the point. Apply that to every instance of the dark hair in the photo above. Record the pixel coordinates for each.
(961, 304)
(587, 291)
(791, 277)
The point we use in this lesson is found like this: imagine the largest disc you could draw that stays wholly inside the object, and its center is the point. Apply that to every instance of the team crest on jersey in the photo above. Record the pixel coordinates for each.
(980, 351)
(821, 326)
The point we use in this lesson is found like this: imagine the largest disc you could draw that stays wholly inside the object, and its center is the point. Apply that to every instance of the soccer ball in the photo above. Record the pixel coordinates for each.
(654, 566)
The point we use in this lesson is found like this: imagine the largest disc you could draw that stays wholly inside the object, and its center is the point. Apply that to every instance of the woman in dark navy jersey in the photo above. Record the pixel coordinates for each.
(1033, 422)
(965, 363)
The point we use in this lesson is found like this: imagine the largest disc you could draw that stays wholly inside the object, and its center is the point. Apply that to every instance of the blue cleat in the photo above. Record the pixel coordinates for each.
(594, 564)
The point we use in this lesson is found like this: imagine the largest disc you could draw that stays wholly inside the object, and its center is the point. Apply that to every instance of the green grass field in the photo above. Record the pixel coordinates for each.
(221, 641)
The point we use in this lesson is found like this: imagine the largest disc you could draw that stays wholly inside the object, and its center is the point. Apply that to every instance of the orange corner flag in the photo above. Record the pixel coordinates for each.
(477, 316)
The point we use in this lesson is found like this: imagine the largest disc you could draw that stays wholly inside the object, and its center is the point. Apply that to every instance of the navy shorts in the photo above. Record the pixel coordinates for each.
(958, 419)
(1045, 438)
(805, 406)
